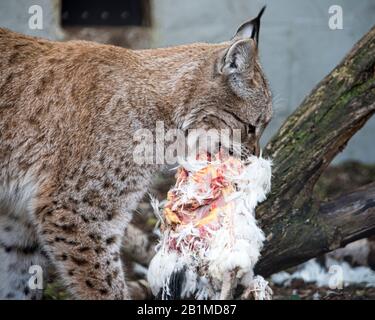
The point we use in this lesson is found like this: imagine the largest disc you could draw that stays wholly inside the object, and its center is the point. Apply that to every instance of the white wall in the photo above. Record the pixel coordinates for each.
(14, 14)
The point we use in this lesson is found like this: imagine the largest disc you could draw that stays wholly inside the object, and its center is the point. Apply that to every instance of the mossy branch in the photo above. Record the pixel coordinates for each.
(297, 225)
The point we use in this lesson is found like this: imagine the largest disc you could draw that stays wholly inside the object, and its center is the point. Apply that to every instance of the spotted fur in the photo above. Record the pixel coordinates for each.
(68, 114)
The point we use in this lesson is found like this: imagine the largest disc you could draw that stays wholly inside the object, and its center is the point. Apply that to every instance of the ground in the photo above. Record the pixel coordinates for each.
(336, 180)
(299, 290)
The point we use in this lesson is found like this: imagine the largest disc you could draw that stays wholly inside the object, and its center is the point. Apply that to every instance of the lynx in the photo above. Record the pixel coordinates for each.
(68, 114)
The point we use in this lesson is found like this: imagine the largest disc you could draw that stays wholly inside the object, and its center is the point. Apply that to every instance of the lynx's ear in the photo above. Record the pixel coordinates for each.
(238, 57)
(250, 29)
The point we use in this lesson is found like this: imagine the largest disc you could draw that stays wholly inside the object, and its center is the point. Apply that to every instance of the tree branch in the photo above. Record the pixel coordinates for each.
(338, 222)
(313, 135)
(350, 217)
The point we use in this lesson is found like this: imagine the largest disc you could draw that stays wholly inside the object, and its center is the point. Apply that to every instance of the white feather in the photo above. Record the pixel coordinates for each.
(236, 245)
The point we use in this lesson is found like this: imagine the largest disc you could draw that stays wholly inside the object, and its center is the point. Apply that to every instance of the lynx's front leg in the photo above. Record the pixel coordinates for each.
(82, 236)
(20, 256)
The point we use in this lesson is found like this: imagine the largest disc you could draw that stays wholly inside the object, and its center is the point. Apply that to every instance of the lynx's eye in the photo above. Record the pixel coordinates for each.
(250, 129)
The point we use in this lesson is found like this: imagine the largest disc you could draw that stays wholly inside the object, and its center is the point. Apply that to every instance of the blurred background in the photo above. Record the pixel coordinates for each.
(297, 48)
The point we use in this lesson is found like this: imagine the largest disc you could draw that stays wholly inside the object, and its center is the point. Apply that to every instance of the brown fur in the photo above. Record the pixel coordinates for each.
(68, 113)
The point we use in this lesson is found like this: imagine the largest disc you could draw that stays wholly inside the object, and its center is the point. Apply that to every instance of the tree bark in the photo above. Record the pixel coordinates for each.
(297, 225)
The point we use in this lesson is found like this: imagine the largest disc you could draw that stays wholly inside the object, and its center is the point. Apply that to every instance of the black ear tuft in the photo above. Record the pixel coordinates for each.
(251, 28)
(256, 22)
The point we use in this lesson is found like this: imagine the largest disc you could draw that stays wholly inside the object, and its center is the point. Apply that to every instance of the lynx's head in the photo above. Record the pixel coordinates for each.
(228, 89)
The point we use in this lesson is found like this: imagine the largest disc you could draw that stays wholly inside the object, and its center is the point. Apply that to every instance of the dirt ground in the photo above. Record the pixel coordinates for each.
(302, 291)
(297, 291)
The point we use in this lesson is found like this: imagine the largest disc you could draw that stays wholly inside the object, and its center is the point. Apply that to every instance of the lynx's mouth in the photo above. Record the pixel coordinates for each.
(254, 148)
(242, 149)
(239, 143)
(251, 145)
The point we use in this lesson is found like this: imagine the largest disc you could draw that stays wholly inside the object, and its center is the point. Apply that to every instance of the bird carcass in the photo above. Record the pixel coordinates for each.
(210, 240)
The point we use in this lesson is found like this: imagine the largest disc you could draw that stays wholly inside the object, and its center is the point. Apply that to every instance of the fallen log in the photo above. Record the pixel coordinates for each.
(297, 224)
